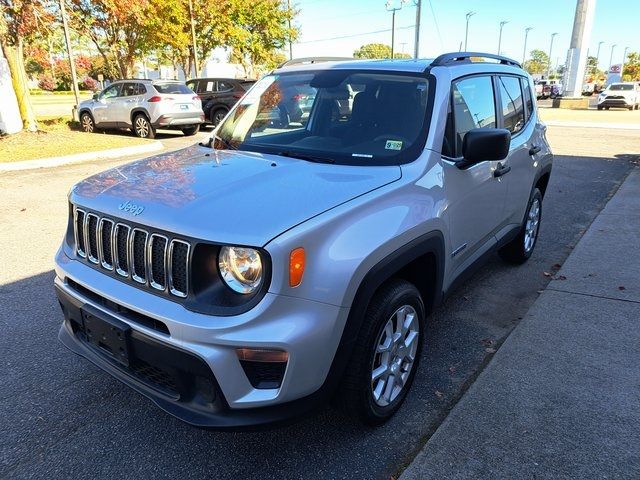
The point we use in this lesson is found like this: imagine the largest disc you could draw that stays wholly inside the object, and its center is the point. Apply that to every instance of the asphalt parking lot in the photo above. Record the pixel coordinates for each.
(62, 417)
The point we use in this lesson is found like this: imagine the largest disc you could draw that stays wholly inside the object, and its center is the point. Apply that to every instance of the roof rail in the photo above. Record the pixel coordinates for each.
(310, 60)
(465, 57)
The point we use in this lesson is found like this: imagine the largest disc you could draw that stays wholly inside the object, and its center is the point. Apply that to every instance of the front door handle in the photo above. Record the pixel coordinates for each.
(535, 149)
(501, 170)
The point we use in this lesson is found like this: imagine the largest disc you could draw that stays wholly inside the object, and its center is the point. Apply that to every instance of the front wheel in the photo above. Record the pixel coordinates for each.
(142, 128)
(192, 130)
(86, 123)
(520, 248)
(386, 354)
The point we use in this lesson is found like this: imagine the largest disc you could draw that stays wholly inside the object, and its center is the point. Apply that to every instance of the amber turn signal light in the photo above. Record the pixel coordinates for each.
(296, 267)
(261, 355)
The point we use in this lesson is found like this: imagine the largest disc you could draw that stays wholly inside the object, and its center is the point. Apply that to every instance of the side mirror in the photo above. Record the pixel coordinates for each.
(95, 96)
(484, 144)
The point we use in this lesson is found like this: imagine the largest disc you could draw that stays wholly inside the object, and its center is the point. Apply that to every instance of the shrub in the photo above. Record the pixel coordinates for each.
(47, 83)
(89, 84)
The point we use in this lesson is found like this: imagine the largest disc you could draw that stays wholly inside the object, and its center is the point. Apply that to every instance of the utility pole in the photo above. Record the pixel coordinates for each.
(553, 35)
(289, 22)
(72, 63)
(193, 39)
(524, 50)
(466, 31)
(576, 63)
(502, 24)
(416, 47)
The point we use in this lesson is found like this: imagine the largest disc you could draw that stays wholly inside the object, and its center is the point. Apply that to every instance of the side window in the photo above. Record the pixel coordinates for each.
(129, 90)
(473, 106)
(208, 86)
(224, 86)
(528, 99)
(141, 89)
(193, 85)
(511, 103)
(110, 92)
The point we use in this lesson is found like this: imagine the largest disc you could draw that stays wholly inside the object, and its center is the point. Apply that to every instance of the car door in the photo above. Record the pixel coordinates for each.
(127, 100)
(516, 112)
(103, 110)
(476, 196)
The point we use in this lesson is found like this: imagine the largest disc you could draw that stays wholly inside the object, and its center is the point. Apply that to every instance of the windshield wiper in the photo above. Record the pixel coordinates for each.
(305, 156)
(225, 142)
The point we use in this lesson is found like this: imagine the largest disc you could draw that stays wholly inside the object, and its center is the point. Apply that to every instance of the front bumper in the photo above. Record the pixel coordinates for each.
(221, 396)
(615, 102)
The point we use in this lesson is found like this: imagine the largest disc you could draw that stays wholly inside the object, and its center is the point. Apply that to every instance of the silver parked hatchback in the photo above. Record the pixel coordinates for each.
(143, 106)
(295, 257)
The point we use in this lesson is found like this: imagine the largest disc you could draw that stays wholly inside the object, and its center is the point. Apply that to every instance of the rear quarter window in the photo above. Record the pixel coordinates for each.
(178, 88)
(512, 104)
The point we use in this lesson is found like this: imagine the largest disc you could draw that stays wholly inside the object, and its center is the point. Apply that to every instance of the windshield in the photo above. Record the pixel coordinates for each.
(621, 86)
(338, 116)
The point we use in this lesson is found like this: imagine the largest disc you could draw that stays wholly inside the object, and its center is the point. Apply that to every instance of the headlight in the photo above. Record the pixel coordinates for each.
(241, 268)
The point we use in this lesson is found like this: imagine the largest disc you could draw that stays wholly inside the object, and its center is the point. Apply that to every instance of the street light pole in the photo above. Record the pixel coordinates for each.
(193, 39)
(524, 50)
(416, 47)
(624, 59)
(466, 31)
(72, 63)
(502, 24)
(553, 35)
(390, 8)
(598, 56)
(289, 23)
(611, 57)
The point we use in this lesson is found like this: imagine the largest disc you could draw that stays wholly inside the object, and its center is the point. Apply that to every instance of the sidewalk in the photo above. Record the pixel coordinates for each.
(561, 397)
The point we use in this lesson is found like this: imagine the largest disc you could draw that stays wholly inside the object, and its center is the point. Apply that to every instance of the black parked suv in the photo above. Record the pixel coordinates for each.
(218, 95)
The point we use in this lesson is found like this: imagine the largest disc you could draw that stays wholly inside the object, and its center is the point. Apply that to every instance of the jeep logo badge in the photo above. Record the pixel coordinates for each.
(132, 208)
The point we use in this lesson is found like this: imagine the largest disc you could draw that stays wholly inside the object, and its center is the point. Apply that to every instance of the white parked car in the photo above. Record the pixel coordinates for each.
(621, 95)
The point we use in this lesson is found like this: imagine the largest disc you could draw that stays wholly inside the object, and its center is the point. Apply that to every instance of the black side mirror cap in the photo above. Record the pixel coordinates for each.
(95, 96)
(484, 144)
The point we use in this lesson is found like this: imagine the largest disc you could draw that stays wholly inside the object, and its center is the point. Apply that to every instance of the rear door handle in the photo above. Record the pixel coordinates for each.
(501, 170)
(535, 149)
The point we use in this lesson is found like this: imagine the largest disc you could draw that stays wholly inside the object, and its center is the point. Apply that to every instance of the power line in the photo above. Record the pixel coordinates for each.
(355, 35)
(435, 20)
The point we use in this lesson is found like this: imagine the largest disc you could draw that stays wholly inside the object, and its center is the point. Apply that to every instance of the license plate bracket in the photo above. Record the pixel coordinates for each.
(108, 334)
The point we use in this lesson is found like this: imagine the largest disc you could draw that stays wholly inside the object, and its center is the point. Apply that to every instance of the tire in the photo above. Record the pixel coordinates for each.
(192, 130)
(599, 107)
(630, 108)
(606, 108)
(217, 115)
(358, 396)
(142, 127)
(86, 123)
(518, 250)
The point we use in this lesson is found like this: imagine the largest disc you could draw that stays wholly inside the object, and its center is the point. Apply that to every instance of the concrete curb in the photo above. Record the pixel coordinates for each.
(615, 126)
(82, 157)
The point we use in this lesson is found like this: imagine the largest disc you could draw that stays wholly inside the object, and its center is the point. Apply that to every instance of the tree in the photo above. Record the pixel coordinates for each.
(20, 21)
(377, 50)
(592, 72)
(538, 63)
(632, 67)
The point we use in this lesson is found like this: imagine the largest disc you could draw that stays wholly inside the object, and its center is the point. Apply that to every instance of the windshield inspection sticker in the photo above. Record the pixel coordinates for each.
(393, 145)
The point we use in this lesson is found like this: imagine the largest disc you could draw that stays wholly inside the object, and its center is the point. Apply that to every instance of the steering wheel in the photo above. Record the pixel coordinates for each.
(392, 136)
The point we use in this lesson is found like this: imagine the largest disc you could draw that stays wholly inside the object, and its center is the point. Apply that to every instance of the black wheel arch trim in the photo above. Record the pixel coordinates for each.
(139, 110)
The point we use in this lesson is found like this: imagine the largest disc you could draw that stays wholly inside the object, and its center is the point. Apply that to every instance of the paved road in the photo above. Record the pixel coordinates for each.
(62, 417)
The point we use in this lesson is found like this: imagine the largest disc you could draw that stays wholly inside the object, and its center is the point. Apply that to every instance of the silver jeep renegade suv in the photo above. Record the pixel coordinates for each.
(294, 258)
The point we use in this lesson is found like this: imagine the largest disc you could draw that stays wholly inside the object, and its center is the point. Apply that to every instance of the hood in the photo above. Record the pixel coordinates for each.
(233, 197)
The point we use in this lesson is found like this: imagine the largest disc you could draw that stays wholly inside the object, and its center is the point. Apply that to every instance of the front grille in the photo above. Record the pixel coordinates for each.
(147, 258)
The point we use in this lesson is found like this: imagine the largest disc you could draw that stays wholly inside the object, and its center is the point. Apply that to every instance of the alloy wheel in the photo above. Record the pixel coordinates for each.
(533, 223)
(87, 124)
(394, 355)
(142, 127)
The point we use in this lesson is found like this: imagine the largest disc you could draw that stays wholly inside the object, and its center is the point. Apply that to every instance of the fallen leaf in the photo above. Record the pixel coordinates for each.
(560, 277)
(487, 342)
(23, 209)
(557, 266)
(621, 287)
(452, 370)
(490, 350)
(546, 274)
(439, 394)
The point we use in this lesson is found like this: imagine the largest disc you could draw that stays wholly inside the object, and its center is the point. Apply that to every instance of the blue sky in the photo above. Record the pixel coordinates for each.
(616, 21)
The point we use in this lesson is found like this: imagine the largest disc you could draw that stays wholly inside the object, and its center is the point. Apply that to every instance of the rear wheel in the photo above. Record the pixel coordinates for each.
(86, 123)
(217, 115)
(192, 130)
(142, 127)
(520, 248)
(599, 107)
(386, 355)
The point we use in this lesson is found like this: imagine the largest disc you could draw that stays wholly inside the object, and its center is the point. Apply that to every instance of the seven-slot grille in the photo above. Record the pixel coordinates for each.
(145, 257)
